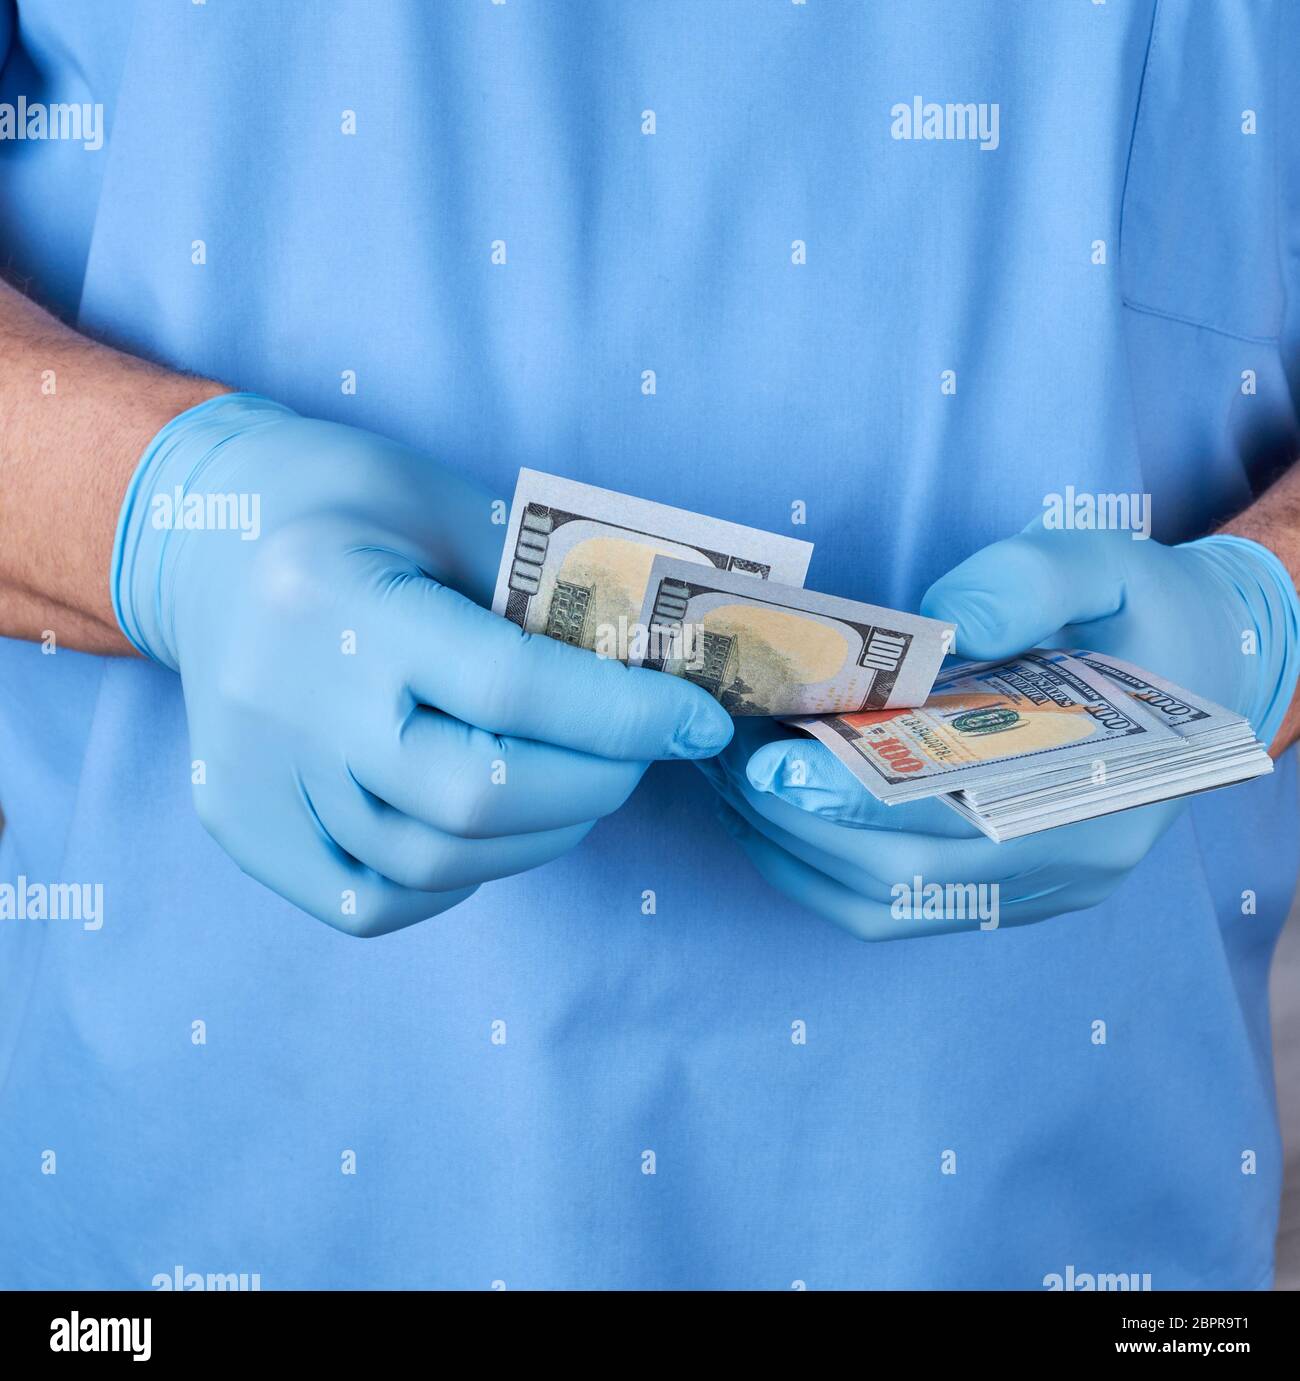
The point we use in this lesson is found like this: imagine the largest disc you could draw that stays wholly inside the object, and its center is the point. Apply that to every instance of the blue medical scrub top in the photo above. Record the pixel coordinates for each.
(718, 191)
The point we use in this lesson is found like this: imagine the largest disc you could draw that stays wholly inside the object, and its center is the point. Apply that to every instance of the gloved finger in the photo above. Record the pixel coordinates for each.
(355, 899)
(487, 672)
(326, 882)
(751, 732)
(874, 861)
(358, 901)
(866, 917)
(1016, 593)
(467, 782)
(807, 775)
(416, 855)
(836, 866)
(906, 913)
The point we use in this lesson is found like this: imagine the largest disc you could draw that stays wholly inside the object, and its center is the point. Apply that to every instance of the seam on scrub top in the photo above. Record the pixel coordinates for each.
(1266, 1072)
(1138, 113)
(1139, 120)
(119, 82)
(1279, 256)
(1135, 306)
(24, 1026)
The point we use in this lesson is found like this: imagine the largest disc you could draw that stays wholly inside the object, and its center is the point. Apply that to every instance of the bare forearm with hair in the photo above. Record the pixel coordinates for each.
(74, 418)
(1273, 521)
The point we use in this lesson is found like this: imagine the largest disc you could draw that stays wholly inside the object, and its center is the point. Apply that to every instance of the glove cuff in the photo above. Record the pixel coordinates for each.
(1272, 609)
(150, 526)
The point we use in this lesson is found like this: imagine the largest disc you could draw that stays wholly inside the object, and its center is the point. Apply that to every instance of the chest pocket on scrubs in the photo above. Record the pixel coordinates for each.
(1199, 223)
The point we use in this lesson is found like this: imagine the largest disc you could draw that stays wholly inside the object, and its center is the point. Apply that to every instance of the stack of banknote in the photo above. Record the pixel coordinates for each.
(1019, 746)
(1045, 739)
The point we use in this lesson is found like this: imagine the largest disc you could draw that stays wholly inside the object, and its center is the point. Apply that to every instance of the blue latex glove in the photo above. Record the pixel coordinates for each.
(374, 743)
(1190, 613)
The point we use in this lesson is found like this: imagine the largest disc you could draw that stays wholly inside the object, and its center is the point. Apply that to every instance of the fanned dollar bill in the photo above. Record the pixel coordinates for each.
(1045, 739)
(577, 558)
(765, 648)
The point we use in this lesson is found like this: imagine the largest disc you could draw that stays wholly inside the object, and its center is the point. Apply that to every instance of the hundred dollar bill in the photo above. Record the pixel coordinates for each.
(1214, 747)
(577, 558)
(1177, 777)
(763, 648)
(1187, 714)
(986, 723)
(1211, 737)
(1001, 828)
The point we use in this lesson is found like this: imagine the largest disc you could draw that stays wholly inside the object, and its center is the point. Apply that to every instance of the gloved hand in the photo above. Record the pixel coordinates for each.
(1190, 613)
(374, 743)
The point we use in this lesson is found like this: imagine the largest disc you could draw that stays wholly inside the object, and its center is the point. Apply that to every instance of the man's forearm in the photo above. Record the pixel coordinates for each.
(74, 418)
(1273, 521)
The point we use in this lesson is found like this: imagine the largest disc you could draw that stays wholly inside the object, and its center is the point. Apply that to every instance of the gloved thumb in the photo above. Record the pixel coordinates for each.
(1015, 594)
